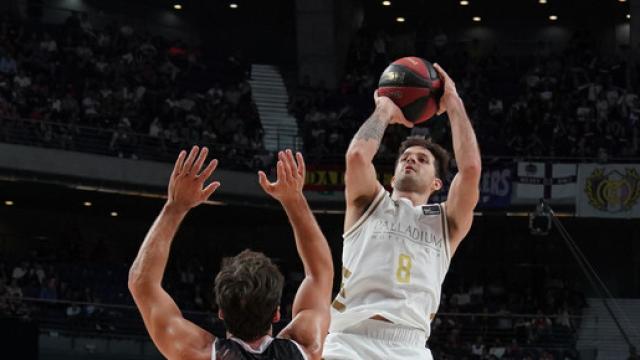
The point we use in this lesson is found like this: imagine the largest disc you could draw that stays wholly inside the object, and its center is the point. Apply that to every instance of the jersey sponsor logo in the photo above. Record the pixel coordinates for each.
(409, 232)
(429, 210)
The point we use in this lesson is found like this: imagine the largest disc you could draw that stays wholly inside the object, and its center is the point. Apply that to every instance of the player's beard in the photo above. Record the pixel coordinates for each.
(409, 183)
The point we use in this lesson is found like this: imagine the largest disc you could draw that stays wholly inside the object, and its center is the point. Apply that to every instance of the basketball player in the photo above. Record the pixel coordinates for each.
(248, 288)
(397, 248)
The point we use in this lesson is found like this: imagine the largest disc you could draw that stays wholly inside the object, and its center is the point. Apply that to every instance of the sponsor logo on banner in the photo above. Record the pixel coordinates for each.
(613, 191)
(609, 191)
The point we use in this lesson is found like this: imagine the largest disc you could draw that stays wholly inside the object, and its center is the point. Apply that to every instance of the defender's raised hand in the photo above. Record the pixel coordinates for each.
(186, 184)
(290, 177)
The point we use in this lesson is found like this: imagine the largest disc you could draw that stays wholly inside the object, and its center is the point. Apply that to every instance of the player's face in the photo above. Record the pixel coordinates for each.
(415, 170)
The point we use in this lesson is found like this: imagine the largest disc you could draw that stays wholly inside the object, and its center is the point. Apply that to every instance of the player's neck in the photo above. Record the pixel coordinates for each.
(255, 344)
(415, 198)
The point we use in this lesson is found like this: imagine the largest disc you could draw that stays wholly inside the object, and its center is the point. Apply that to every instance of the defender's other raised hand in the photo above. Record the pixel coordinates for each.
(186, 184)
(290, 177)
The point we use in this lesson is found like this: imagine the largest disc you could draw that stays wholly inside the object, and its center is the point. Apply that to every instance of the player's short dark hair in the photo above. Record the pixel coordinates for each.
(248, 290)
(439, 153)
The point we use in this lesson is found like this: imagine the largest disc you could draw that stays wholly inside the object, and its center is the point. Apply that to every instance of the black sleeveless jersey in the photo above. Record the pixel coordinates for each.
(277, 349)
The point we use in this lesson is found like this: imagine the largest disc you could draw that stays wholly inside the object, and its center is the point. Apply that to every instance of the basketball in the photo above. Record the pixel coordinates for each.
(414, 85)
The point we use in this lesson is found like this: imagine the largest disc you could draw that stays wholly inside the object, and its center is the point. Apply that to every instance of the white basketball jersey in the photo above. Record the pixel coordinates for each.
(395, 258)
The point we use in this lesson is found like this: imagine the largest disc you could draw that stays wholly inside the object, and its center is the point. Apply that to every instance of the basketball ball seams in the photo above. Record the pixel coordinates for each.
(416, 65)
(433, 74)
(416, 109)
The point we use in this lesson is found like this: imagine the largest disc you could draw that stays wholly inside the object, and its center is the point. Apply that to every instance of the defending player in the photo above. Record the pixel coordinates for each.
(248, 289)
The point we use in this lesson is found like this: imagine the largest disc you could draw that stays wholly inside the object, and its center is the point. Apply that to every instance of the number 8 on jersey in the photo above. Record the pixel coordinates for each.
(403, 272)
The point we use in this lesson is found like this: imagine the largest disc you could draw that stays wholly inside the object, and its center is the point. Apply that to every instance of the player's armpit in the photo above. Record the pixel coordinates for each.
(463, 197)
(309, 329)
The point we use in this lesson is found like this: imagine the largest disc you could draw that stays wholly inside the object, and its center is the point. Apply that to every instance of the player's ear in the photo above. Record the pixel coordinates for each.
(276, 315)
(437, 184)
(220, 314)
(393, 181)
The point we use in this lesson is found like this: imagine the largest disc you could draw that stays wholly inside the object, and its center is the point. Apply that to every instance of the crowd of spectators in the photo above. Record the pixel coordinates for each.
(485, 320)
(122, 91)
(573, 103)
(510, 320)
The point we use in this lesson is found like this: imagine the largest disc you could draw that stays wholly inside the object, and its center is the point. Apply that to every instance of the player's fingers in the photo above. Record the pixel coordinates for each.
(448, 82)
(302, 168)
(264, 182)
(213, 164)
(192, 156)
(177, 167)
(290, 165)
(210, 189)
(280, 172)
(443, 74)
(197, 165)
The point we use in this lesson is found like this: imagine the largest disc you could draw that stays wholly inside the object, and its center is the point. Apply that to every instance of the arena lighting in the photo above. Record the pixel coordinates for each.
(8, 202)
(553, 18)
(114, 213)
(177, 7)
(477, 18)
(233, 5)
(386, 3)
(87, 203)
(542, 1)
(400, 19)
(464, 2)
(622, 0)
(628, 16)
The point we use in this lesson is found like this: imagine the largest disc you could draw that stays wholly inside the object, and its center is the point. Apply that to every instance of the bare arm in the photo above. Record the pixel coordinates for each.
(311, 315)
(175, 337)
(361, 183)
(465, 187)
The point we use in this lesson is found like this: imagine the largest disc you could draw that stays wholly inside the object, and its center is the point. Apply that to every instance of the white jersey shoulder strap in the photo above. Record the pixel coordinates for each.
(374, 204)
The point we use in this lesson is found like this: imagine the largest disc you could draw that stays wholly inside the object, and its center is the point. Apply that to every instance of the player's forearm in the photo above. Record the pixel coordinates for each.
(310, 241)
(367, 140)
(465, 144)
(149, 266)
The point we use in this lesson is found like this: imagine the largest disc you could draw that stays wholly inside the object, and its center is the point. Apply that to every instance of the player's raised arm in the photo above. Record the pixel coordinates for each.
(465, 188)
(175, 337)
(310, 315)
(361, 183)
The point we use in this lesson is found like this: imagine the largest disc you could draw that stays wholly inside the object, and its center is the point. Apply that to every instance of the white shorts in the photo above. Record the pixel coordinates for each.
(375, 339)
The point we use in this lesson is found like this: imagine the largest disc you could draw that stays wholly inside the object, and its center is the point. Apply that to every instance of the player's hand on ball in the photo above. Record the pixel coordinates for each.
(450, 95)
(186, 184)
(290, 177)
(395, 113)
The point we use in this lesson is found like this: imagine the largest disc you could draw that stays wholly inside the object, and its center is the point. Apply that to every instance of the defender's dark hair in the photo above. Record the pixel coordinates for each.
(248, 290)
(439, 153)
